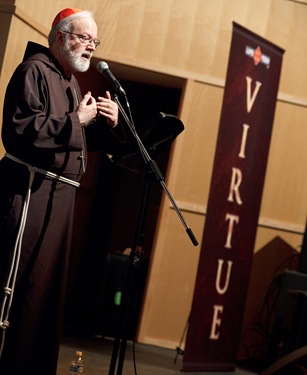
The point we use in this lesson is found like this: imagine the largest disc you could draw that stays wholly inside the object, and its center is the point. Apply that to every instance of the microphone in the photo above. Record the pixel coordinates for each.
(103, 68)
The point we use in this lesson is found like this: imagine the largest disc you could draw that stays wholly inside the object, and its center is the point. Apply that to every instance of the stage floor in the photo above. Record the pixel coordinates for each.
(149, 360)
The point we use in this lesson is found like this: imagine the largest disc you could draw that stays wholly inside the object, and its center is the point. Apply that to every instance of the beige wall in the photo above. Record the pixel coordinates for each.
(191, 40)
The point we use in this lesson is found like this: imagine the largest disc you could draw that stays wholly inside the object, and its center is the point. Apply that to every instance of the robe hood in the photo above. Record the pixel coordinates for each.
(35, 51)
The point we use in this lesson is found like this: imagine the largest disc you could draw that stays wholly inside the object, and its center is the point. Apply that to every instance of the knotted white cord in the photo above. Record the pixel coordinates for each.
(11, 279)
(42, 171)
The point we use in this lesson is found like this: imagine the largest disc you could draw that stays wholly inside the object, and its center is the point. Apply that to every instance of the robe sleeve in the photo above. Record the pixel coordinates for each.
(39, 111)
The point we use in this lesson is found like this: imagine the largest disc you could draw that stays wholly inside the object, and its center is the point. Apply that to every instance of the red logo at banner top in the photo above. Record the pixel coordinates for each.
(257, 55)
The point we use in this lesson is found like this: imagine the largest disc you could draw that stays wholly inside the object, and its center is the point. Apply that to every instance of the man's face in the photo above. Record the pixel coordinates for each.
(80, 44)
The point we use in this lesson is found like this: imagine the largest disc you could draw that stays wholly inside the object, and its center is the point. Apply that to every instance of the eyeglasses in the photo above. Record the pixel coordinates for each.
(85, 38)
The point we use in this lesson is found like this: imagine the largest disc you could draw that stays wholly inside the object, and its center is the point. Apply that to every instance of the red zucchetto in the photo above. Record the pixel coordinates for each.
(65, 13)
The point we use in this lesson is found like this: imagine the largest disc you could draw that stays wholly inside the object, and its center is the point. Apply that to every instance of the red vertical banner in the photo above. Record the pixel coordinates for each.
(237, 181)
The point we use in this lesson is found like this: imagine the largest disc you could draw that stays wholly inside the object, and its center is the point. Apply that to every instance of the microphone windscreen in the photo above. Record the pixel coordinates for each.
(102, 66)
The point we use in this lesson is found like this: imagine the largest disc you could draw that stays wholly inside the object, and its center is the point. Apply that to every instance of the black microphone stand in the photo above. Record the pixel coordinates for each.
(152, 172)
(153, 167)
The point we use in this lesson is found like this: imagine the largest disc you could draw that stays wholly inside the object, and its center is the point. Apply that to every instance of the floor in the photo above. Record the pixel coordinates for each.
(149, 360)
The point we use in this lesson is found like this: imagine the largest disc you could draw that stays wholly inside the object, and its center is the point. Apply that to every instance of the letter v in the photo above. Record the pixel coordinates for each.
(250, 99)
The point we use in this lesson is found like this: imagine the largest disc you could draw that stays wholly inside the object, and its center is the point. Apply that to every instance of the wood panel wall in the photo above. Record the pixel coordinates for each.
(190, 40)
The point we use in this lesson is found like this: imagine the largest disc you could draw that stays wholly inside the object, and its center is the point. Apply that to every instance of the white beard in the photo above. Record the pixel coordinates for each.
(75, 59)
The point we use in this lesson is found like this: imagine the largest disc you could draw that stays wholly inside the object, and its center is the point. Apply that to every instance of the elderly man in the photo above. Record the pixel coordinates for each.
(45, 126)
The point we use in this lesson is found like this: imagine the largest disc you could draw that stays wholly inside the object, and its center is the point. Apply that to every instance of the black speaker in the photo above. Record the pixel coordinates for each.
(302, 263)
(288, 332)
(294, 329)
(113, 315)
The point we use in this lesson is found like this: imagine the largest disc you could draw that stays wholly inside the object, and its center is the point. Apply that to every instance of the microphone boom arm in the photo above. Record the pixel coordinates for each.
(155, 170)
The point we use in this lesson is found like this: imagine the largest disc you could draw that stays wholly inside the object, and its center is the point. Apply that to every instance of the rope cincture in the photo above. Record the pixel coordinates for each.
(11, 279)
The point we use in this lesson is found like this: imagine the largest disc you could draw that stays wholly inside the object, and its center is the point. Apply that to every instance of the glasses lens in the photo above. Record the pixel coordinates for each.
(88, 39)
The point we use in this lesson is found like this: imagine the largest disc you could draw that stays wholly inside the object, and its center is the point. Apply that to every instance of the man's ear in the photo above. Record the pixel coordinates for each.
(60, 38)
